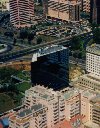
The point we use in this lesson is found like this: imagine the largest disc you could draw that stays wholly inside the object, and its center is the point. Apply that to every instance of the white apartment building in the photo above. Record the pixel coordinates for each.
(21, 12)
(62, 105)
(88, 81)
(93, 59)
(72, 103)
(91, 80)
(45, 108)
(86, 96)
(33, 117)
(51, 99)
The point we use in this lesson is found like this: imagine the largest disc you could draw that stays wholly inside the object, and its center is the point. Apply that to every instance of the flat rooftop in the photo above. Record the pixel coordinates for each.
(96, 100)
(68, 94)
(42, 92)
(92, 78)
(48, 50)
(91, 125)
(94, 48)
(26, 112)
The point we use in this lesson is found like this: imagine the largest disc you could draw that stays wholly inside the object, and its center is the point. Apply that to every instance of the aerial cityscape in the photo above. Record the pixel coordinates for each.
(49, 63)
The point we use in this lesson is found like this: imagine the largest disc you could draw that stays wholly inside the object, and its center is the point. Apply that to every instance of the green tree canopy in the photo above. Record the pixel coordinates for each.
(23, 34)
(76, 43)
(39, 40)
(5, 74)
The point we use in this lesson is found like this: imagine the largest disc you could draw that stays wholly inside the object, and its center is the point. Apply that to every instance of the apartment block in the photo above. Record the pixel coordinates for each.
(34, 116)
(93, 59)
(72, 103)
(46, 108)
(86, 96)
(21, 12)
(86, 6)
(51, 99)
(65, 10)
(89, 81)
(95, 109)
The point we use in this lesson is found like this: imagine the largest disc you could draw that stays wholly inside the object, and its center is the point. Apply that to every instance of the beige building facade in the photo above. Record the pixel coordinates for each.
(95, 109)
(45, 108)
(35, 116)
(86, 6)
(52, 100)
(65, 10)
(89, 81)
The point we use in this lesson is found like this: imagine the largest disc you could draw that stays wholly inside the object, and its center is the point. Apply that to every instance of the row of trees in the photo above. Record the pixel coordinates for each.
(5, 74)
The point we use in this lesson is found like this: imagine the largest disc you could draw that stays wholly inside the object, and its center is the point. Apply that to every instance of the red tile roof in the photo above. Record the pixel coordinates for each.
(76, 117)
(65, 124)
(68, 124)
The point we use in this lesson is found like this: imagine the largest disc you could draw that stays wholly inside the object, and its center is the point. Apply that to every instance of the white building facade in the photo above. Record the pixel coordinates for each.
(93, 59)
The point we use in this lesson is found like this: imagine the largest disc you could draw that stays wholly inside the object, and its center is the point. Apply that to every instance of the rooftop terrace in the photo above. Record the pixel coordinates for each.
(94, 48)
(28, 111)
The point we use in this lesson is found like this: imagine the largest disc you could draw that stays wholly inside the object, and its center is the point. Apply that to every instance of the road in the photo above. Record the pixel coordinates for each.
(16, 54)
(10, 42)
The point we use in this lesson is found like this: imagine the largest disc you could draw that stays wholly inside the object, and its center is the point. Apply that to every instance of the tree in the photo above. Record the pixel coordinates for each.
(76, 43)
(75, 54)
(9, 34)
(23, 34)
(14, 41)
(94, 25)
(80, 55)
(96, 35)
(5, 74)
(31, 36)
(39, 40)
(33, 27)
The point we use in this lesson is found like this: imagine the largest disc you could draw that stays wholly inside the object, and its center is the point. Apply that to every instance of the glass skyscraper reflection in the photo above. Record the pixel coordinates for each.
(50, 67)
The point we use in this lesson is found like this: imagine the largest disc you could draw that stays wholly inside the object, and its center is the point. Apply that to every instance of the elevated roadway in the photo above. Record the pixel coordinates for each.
(16, 54)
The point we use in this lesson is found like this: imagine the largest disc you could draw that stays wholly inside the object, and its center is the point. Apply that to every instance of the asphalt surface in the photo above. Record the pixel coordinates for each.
(25, 51)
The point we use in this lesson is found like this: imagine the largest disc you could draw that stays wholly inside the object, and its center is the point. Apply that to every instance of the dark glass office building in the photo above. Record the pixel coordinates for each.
(50, 67)
(95, 11)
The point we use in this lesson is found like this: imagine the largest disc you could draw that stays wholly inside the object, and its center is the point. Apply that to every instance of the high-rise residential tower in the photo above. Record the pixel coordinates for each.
(21, 12)
(50, 68)
(95, 11)
(86, 6)
(65, 10)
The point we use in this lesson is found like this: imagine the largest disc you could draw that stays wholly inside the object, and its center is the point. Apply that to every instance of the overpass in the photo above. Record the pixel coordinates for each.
(16, 54)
